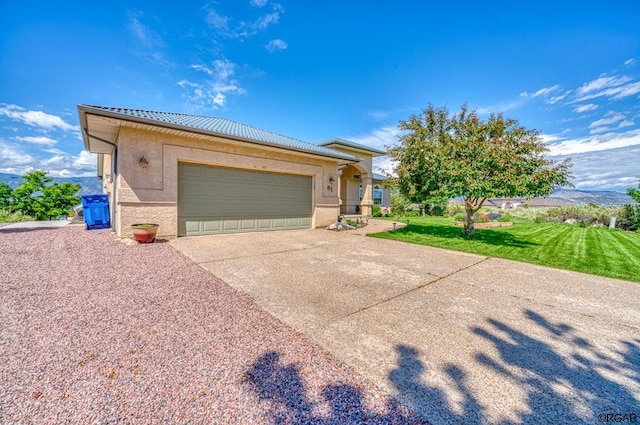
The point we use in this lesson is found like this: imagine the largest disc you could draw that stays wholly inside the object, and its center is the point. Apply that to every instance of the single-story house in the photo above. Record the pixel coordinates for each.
(198, 175)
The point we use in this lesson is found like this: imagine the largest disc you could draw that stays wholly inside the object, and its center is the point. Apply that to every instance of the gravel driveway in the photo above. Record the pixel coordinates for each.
(95, 331)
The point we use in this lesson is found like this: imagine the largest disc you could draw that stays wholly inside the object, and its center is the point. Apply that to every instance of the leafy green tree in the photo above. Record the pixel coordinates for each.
(6, 196)
(58, 199)
(445, 156)
(27, 196)
(37, 198)
(634, 193)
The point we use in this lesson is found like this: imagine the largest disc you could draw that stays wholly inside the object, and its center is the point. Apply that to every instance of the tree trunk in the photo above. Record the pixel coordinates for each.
(469, 228)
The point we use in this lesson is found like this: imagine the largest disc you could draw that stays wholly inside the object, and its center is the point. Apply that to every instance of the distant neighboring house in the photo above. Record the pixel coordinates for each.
(198, 175)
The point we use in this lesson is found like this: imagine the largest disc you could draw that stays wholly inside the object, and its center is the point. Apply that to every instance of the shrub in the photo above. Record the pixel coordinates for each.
(399, 204)
(377, 211)
(453, 209)
(505, 218)
(629, 217)
(436, 210)
(590, 214)
(13, 217)
(458, 217)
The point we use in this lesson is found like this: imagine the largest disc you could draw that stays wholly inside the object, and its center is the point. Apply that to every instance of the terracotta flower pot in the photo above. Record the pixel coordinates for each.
(145, 232)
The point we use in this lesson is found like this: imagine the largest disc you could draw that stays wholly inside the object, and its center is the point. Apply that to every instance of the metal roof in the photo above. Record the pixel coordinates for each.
(213, 126)
(380, 177)
(350, 144)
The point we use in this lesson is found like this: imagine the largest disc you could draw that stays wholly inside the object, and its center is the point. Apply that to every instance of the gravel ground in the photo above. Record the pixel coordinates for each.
(94, 331)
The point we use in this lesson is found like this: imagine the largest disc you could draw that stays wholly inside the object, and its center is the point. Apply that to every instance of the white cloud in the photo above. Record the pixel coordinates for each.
(610, 118)
(626, 123)
(36, 118)
(593, 170)
(594, 143)
(630, 62)
(224, 25)
(602, 83)
(546, 90)
(219, 22)
(149, 44)
(276, 45)
(85, 160)
(555, 99)
(60, 164)
(550, 138)
(379, 138)
(54, 151)
(585, 108)
(502, 107)
(615, 88)
(142, 33)
(264, 21)
(214, 91)
(11, 157)
(38, 140)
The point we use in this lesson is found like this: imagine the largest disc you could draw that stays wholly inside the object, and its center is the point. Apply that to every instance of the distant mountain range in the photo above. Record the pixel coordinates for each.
(599, 197)
(89, 185)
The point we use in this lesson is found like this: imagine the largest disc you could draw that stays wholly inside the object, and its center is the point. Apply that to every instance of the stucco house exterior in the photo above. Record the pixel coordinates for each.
(196, 175)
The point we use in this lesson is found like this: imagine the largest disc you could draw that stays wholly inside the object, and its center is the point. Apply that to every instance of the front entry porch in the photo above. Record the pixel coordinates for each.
(356, 190)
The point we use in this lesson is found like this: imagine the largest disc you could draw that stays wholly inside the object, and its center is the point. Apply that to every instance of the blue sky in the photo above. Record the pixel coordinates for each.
(316, 70)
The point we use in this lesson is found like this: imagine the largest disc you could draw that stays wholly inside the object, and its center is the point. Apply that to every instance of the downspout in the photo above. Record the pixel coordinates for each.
(114, 170)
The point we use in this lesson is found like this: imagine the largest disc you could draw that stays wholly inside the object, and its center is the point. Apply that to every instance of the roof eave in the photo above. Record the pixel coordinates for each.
(84, 109)
(372, 151)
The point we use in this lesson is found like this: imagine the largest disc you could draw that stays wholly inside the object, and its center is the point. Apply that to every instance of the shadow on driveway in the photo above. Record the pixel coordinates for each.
(558, 389)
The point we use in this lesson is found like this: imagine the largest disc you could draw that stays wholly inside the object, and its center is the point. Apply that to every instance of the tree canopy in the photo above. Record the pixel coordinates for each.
(634, 193)
(447, 156)
(37, 198)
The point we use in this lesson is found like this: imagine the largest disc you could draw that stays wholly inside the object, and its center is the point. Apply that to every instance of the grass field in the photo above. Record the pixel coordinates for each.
(595, 250)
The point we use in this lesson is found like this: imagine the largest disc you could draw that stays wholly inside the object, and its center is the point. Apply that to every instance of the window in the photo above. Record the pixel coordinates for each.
(377, 194)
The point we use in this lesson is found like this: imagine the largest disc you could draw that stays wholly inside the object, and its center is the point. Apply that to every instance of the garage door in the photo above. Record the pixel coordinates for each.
(215, 200)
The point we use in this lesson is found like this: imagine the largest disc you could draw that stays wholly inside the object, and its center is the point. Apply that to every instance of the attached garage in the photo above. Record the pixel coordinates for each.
(197, 175)
(214, 200)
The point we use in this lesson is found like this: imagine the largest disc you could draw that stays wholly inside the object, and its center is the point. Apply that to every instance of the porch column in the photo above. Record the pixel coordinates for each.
(340, 191)
(367, 195)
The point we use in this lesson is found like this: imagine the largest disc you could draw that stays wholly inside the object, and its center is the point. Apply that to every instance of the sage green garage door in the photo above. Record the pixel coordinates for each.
(215, 200)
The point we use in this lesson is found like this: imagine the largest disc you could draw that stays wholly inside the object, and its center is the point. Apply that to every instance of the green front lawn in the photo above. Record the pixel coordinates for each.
(595, 250)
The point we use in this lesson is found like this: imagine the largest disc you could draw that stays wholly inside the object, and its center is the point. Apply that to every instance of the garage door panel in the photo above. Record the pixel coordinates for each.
(278, 223)
(190, 207)
(225, 200)
(191, 190)
(210, 190)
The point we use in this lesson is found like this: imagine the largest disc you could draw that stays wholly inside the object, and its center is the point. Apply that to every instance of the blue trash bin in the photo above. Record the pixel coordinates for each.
(96, 211)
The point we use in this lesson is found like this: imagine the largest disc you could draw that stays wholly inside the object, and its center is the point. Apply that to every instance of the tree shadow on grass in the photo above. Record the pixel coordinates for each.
(282, 388)
(485, 236)
(565, 378)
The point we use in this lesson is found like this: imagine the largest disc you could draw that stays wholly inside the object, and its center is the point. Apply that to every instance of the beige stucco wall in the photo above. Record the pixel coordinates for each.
(150, 194)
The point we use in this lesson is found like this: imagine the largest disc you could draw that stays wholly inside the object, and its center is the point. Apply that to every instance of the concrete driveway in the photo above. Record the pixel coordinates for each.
(460, 338)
